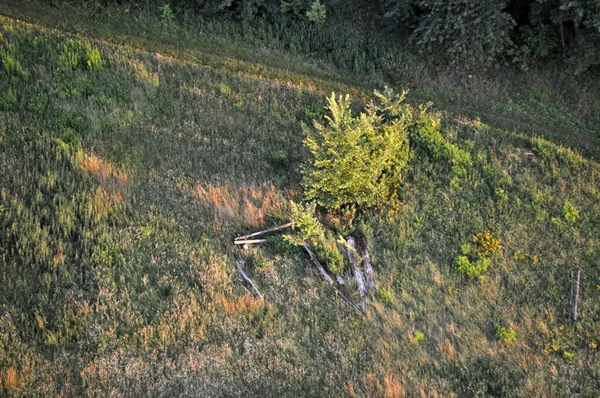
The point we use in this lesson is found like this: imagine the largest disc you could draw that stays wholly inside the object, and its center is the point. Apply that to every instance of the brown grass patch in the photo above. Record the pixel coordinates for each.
(241, 305)
(251, 204)
(102, 201)
(104, 172)
(11, 379)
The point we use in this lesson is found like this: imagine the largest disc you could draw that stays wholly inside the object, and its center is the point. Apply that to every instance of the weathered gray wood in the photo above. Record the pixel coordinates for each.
(249, 242)
(339, 279)
(326, 276)
(250, 282)
(576, 295)
(352, 257)
(266, 231)
(369, 275)
(316, 262)
(569, 313)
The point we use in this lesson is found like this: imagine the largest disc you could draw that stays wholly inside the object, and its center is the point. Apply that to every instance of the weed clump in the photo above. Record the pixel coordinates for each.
(477, 257)
(311, 231)
(487, 244)
(507, 334)
(12, 67)
(426, 135)
(279, 160)
(570, 212)
(8, 100)
(76, 54)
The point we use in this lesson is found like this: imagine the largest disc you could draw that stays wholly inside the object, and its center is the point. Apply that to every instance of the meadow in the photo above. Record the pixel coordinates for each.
(134, 149)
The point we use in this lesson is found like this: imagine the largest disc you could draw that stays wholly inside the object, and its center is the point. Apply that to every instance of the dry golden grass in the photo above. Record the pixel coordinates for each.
(241, 305)
(59, 257)
(11, 379)
(392, 387)
(104, 171)
(250, 203)
(102, 201)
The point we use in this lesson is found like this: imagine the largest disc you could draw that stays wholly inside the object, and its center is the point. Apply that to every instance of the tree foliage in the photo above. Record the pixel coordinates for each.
(357, 161)
(465, 32)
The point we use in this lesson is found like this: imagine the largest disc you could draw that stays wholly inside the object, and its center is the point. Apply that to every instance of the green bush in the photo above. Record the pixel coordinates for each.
(12, 67)
(308, 228)
(279, 159)
(8, 100)
(570, 212)
(505, 334)
(76, 54)
(310, 231)
(426, 135)
(316, 12)
(357, 161)
(472, 269)
(281, 246)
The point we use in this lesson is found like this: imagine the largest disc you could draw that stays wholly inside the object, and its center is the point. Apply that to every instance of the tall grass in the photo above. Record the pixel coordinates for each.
(122, 187)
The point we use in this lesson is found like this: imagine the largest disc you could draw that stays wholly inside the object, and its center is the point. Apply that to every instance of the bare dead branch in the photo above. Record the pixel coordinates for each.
(249, 242)
(352, 257)
(250, 282)
(266, 231)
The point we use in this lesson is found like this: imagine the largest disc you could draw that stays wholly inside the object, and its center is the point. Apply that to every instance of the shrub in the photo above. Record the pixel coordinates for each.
(316, 12)
(12, 66)
(8, 100)
(281, 246)
(311, 231)
(357, 161)
(505, 334)
(426, 135)
(570, 212)
(488, 244)
(386, 295)
(78, 54)
(166, 16)
(474, 269)
(308, 228)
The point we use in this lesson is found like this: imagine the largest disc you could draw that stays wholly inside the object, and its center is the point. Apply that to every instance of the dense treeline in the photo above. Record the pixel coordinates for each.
(461, 32)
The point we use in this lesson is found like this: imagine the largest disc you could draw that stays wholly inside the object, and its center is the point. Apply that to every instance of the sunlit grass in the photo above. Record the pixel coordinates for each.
(122, 188)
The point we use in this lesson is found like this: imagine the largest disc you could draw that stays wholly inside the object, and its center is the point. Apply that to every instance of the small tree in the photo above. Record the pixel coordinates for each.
(357, 161)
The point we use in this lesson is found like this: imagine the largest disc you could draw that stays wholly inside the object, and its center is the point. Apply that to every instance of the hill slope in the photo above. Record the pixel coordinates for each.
(125, 174)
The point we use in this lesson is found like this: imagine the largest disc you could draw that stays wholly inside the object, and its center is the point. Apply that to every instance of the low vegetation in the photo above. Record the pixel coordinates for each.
(126, 171)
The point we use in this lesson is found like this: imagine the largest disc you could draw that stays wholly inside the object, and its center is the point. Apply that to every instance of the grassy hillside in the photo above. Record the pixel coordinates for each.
(130, 159)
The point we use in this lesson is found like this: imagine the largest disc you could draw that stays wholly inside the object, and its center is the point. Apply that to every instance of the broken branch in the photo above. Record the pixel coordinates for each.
(330, 281)
(266, 231)
(318, 264)
(250, 282)
(247, 242)
(352, 257)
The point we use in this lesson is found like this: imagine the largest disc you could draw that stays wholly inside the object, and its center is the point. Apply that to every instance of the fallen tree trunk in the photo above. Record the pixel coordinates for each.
(361, 244)
(352, 257)
(368, 269)
(326, 276)
(318, 264)
(250, 282)
(266, 231)
(249, 241)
